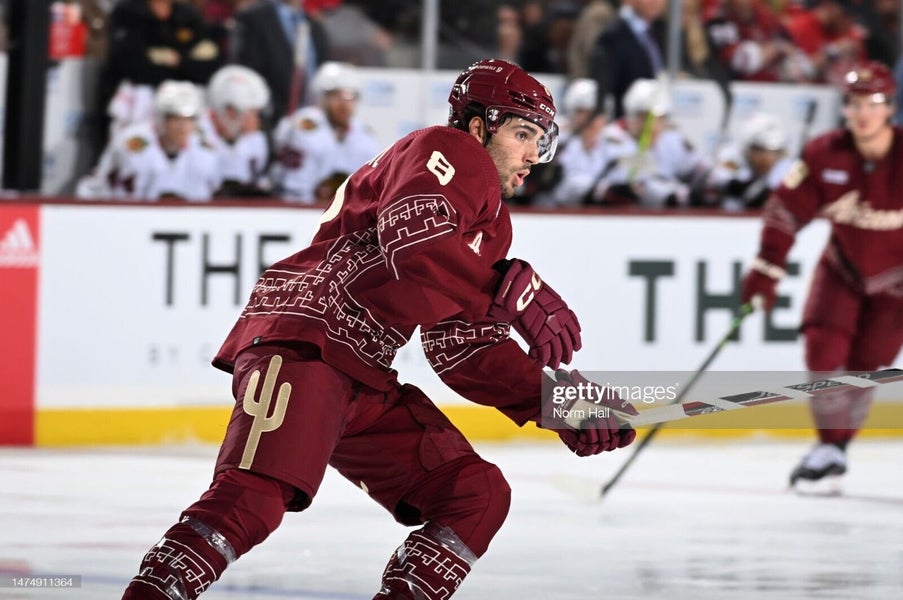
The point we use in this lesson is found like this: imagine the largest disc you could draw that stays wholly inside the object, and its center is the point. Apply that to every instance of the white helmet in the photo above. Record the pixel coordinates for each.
(580, 95)
(763, 131)
(333, 76)
(239, 87)
(177, 99)
(647, 95)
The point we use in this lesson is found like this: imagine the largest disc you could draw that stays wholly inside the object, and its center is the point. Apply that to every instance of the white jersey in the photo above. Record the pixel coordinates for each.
(308, 151)
(667, 171)
(242, 161)
(745, 190)
(134, 166)
(581, 169)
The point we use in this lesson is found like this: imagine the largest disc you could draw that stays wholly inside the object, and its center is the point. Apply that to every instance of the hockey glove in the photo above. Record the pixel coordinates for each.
(536, 312)
(602, 433)
(760, 284)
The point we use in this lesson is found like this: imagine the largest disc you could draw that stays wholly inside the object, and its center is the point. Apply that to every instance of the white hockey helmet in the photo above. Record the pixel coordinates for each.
(580, 95)
(647, 95)
(239, 87)
(763, 131)
(177, 99)
(332, 76)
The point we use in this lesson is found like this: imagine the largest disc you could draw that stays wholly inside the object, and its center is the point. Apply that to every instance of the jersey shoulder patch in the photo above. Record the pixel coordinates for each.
(306, 124)
(136, 143)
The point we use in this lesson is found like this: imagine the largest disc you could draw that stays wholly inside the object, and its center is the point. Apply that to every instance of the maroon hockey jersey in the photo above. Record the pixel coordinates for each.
(409, 240)
(862, 199)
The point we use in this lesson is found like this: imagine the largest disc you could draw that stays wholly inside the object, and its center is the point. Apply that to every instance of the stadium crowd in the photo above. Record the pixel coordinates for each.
(281, 121)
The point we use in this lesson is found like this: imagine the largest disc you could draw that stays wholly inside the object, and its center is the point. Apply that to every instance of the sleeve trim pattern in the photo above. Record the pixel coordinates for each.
(449, 343)
(412, 221)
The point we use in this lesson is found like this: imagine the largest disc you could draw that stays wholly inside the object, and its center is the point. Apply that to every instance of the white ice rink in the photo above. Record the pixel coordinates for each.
(691, 519)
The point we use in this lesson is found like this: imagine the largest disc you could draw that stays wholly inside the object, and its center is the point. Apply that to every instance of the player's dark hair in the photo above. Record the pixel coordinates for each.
(475, 109)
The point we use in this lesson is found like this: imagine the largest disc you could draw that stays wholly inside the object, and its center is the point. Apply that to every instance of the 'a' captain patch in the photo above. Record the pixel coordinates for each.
(795, 175)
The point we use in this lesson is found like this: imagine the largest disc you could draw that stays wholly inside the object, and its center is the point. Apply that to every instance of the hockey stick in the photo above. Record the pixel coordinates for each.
(807, 390)
(745, 311)
(808, 119)
(299, 73)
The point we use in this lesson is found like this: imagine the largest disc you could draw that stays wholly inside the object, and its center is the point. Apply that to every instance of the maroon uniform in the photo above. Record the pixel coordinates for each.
(853, 317)
(415, 238)
(421, 253)
(737, 35)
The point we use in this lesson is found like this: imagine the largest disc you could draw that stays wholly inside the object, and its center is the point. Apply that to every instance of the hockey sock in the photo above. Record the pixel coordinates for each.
(237, 512)
(429, 565)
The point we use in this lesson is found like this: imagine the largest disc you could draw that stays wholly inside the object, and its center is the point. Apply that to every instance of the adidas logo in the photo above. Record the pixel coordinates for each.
(17, 247)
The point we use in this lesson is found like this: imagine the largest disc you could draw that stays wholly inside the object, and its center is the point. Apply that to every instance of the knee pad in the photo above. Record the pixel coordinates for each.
(471, 497)
(243, 507)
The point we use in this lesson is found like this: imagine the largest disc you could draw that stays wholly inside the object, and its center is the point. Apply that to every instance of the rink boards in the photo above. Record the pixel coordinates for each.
(112, 312)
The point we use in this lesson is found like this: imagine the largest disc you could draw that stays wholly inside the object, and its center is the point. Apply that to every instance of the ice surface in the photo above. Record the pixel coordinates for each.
(691, 519)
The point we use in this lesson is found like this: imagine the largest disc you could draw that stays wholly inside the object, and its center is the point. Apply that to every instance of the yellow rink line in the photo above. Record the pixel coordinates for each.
(108, 426)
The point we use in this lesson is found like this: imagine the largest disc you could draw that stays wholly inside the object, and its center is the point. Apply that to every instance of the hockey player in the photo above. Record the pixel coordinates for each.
(762, 146)
(648, 162)
(853, 318)
(236, 98)
(318, 146)
(164, 158)
(416, 237)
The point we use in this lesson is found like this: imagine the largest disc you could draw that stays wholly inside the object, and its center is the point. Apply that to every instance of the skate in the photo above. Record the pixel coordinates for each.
(820, 471)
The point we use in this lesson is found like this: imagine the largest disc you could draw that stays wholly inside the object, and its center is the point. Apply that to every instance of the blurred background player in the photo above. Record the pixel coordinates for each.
(648, 162)
(161, 158)
(150, 41)
(581, 155)
(236, 97)
(418, 237)
(317, 147)
(853, 318)
(753, 167)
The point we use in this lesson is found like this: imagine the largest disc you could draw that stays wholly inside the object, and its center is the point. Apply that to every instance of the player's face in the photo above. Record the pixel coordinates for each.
(340, 106)
(176, 132)
(761, 160)
(514, 148)
(637, 122)
(867, 115)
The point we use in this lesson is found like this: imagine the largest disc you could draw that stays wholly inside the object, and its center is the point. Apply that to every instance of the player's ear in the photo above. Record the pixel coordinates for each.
(477, 128)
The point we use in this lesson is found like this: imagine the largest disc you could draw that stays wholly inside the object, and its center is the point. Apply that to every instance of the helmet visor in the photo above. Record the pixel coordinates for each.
(545, 145)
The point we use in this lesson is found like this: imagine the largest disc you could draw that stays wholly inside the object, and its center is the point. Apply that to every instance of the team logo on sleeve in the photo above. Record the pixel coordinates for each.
(795, 175)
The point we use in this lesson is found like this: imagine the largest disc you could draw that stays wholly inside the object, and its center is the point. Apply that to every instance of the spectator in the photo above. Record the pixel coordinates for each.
(353, 37)
(318, 146)
(266, 40)
(648, 162)
(510, 34)
(152, 41)
(829, 36)
(236, 98)
(162, 158)
(698, 58)
(749, 39)
(593, 19)
(628, 50)
(881, 20)
(545, 45)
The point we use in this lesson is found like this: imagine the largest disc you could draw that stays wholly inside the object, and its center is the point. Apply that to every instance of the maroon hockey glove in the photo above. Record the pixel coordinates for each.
(602, 433)
(760, 283)
(536, 312)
